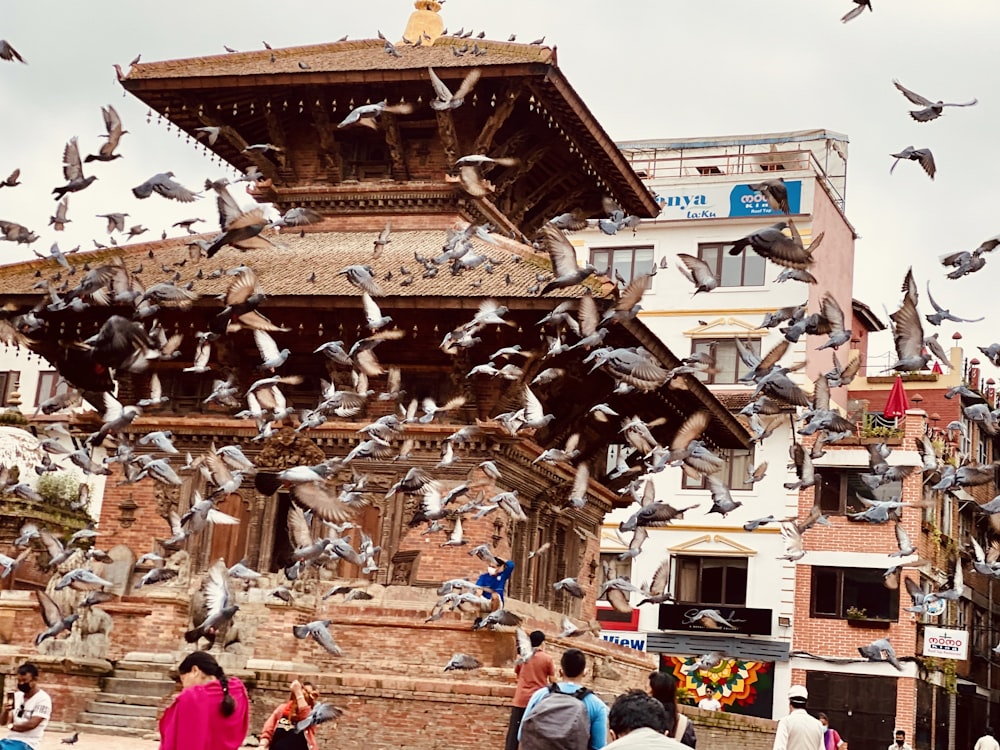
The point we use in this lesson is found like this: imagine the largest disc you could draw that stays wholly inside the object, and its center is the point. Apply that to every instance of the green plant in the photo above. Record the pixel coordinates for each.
(12, 416)
(856, 613)
(59, 488)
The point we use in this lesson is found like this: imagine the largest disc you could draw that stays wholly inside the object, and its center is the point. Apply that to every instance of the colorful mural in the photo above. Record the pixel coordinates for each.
(743, 687)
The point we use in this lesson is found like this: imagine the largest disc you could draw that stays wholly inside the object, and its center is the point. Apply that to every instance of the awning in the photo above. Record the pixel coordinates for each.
(897, 405)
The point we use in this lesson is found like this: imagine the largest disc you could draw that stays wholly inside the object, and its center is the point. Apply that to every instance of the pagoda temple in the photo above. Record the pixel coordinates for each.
(387, 195)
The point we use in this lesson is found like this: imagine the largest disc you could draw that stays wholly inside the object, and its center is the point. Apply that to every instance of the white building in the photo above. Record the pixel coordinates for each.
(702, 186)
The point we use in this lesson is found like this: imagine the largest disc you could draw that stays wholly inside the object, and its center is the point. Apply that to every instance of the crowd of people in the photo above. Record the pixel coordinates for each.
(549, 709)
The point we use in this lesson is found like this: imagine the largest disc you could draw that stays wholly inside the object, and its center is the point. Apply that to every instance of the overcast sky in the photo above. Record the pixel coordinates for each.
(647, 69)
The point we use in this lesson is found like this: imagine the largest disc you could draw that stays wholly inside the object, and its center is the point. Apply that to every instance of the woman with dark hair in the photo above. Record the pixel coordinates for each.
(279, 732)
(211, 712)
(663, 687)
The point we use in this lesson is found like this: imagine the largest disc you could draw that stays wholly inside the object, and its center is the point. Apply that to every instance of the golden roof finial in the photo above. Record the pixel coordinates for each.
(424, 22)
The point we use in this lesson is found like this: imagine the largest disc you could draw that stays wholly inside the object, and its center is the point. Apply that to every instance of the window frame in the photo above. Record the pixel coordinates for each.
(724, 260)
(632, 249)
(728, 475)
(701, 561)
(53, 390)
(7, 380)
(841, 604)
(712, 378)
(847, 502)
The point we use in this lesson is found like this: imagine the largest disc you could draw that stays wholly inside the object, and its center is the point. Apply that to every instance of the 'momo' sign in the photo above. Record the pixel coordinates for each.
(945, 643)
(635, 641)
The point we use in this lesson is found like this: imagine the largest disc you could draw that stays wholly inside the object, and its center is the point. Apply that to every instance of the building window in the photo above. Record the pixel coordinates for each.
(729, 368)
(745, 269)
(7, 382)
(837, 590)
(709, 170)
(773, 166)
(628, 262)
(712, 580)
(49, 386)
(838, 490)
(733, 474)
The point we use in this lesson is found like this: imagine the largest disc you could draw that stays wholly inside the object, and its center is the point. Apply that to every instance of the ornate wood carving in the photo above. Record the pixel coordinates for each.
(329, 148)
(394, 142)
(289, 448)
(449, 135)
(404, 568)
(506, 101)
(276, 134)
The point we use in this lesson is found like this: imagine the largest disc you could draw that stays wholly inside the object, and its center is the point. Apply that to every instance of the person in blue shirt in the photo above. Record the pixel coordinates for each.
(495, 578)
(572, 666)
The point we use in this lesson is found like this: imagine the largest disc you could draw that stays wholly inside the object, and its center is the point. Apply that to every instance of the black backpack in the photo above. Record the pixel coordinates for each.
(559, 721)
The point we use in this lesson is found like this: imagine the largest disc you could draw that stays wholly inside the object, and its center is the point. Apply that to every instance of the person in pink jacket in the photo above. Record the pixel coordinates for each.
(211, 712)
(300, 703)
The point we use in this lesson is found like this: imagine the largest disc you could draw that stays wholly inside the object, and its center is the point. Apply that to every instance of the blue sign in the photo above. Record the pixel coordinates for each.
(746, 202)
(636, 641)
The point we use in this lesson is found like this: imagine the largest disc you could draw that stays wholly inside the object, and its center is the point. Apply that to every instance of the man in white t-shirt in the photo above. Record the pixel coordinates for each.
(710, 703)
(32, 710)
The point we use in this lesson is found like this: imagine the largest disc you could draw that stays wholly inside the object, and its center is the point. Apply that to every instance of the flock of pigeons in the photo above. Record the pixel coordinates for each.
(573, 329)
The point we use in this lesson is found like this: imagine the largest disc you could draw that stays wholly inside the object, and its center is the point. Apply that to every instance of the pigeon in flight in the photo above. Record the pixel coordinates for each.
(9, 53)
(921, 155)
(54, 618)
(931, 110)
(72, 171)
(113, 124)
(447, 100)
(163, 184)
(857, 10)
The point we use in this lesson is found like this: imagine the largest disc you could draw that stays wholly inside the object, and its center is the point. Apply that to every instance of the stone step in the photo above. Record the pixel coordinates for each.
(131, 700)
(136, 733)
(126, 686)
(140, 674)
(121, 709)
(144, 723)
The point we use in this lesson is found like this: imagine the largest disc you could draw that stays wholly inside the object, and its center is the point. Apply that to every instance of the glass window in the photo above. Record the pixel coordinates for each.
(712, 580)
(628, 262)
(734, 473)
(860, 591)
(49, 385)
(729, 368)
(7, 381)
(745, 269)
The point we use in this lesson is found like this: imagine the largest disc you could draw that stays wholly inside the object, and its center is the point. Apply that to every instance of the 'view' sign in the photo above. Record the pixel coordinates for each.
(636, 641)
(723, 201)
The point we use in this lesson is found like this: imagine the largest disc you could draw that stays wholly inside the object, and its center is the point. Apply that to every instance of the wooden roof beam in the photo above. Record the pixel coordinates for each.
(328, 148)
(234, 139)
(394, 142)
(449, 135)
(506, 101)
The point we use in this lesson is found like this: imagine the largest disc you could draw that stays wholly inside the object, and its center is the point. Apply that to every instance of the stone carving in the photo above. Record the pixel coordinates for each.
(404, 567)
(120, 571)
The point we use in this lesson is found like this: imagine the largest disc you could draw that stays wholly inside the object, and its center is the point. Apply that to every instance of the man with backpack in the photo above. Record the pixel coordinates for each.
(565, 715)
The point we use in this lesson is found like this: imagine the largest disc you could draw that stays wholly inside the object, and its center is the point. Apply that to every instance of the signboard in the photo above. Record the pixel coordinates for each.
(635, 641)
(945, 643)
(713, 201)
(612, 619)
(715, 619)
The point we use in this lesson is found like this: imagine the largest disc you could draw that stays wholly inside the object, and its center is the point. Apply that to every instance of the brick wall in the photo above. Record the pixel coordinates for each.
(837, 638)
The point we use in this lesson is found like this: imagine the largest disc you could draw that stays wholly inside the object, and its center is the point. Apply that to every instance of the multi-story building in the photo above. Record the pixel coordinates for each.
(702, 186)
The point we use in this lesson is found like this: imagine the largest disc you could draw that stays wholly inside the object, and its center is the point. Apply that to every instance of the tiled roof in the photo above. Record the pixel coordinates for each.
(359, 55)
(284, 269)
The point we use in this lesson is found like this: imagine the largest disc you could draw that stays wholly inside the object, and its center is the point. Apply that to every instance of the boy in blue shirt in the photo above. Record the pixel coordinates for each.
(496, 578)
